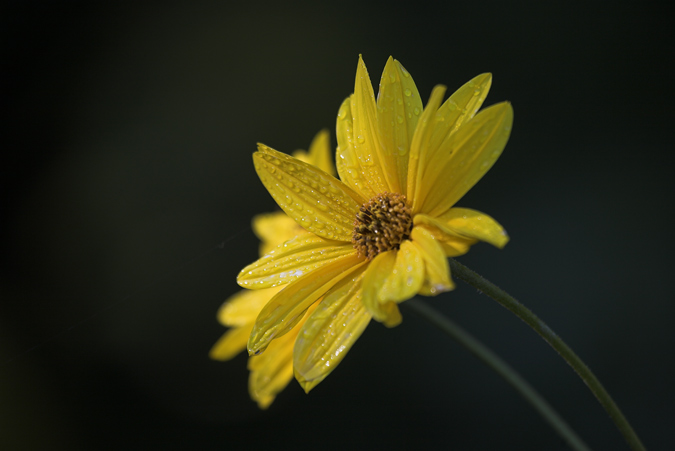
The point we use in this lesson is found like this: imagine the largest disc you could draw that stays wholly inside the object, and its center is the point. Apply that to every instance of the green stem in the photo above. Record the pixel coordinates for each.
(509, 302)
(500, 367)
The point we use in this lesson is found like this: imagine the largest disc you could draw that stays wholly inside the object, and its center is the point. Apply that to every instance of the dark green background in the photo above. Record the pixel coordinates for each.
(126, 159)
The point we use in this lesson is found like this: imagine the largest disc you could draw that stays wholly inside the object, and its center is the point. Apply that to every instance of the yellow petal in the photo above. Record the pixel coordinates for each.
(317, 201)
(453, 244)
(460, 107)
(285, 309)
(376, 168)
(243, 307)
(345, 158)
(436, 270)
(272, 371)
(273, 229)
(231, 343)
(264, 385)
(398, 109)
(375, 277)
(292, 259)
(330, 331)
(420, 143)
(473, 224)
(406, 276)
(471, 151)
(319, 153)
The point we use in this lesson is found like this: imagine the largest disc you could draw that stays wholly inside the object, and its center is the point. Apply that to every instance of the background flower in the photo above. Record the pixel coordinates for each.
(272, 372)
(128, 132)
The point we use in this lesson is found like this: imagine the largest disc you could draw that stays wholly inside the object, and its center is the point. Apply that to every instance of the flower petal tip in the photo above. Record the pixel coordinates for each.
(255, 348)
(306, 385)
(502, 239)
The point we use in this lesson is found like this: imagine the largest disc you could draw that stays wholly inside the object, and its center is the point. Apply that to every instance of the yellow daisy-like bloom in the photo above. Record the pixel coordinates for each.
(269, 373)
(383, 233)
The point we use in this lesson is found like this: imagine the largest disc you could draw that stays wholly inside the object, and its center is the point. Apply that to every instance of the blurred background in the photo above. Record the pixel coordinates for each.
(128, 188)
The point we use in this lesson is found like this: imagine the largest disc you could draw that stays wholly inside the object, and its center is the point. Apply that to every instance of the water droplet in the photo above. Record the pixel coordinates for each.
(392, 77)
(361, 139)
(416, 111)
(305, 222)
(399, 118)
(407, 93)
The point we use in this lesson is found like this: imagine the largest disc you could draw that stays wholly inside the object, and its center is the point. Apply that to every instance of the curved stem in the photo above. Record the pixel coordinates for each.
(522, 312)
(500, 367)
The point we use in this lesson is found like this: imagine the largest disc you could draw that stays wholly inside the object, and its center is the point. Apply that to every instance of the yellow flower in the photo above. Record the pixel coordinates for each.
(381, 235)
(269, 373)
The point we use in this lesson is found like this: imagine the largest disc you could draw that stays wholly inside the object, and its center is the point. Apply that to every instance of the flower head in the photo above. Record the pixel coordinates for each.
(269, 373)
(383, 232)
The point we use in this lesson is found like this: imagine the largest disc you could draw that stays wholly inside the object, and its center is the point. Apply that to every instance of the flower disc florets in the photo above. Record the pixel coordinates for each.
(381, 224)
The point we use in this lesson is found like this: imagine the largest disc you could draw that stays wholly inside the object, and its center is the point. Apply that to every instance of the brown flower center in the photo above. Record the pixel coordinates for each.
(381, 224)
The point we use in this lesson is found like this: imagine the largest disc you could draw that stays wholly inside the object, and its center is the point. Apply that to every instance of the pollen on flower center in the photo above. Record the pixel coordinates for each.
(381, 224)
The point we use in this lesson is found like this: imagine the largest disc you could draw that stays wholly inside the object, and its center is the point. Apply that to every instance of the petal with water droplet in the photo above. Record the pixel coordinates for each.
(406, 277)
(461, 106)
(346, 160)
(273, 370)
(288, 307)
(291, 260)
(374, 279)
(374, 165)
(420, 144)
(293, 183)
(473, 224)
(329, 332)
(471, 151)
(436, 269)
(396, 124)
(453, 245)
